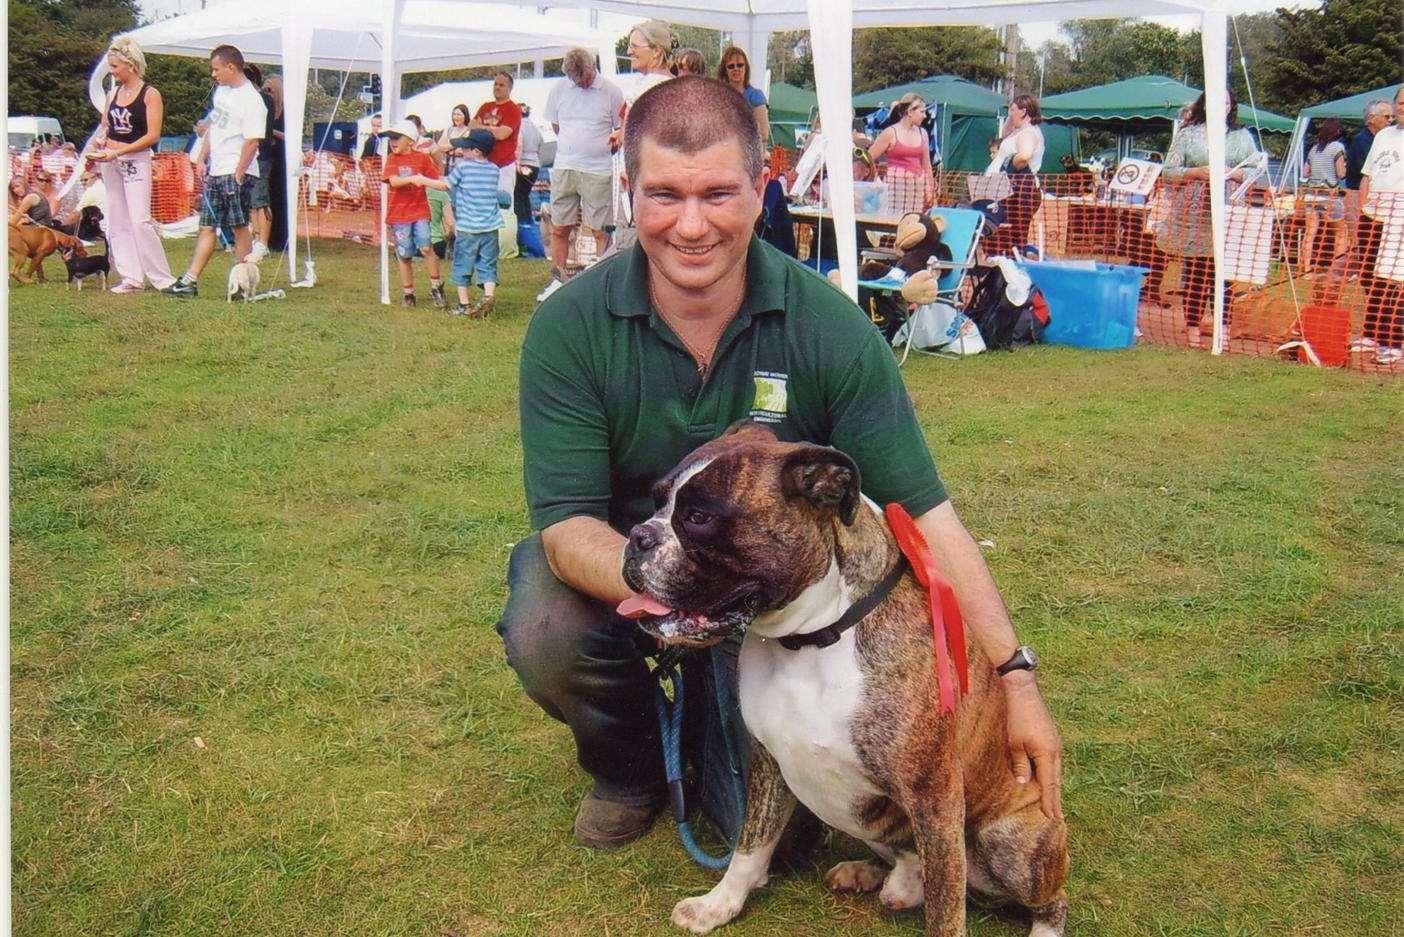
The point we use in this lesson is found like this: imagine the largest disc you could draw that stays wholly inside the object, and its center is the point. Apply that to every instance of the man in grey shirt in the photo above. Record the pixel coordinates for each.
(584, 109)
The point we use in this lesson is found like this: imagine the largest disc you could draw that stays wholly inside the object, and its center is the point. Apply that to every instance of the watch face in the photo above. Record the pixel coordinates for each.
(1031, 656)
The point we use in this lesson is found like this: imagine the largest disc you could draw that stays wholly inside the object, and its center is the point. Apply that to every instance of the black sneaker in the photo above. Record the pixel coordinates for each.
(460, 310)
(407, 300)
(182, 289)
(436, 293)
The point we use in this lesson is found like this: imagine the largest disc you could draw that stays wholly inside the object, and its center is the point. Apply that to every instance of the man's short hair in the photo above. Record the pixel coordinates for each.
(1378, 103)
(228, 55)
(511, 82)
(577, 62)
(690, 114)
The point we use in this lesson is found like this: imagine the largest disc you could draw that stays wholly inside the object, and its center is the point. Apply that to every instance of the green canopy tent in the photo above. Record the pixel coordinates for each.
(967, 116)
(791, 110)
(1138, 105)
(1350, 109)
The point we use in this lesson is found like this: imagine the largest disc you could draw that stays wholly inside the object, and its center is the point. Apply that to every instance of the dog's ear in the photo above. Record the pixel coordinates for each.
(825, 477)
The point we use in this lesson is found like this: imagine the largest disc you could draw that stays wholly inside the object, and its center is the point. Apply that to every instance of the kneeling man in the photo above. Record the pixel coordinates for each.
(649, 354)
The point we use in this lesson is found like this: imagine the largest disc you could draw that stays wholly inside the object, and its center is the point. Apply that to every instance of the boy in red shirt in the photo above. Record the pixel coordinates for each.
(407, 209)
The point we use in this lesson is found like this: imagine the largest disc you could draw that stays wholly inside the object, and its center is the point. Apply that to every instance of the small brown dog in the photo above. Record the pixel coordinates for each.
(31, 243)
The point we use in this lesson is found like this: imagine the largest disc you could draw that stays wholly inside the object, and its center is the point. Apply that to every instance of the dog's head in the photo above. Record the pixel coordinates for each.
(69, 247)
(743, 525)
(90, 224)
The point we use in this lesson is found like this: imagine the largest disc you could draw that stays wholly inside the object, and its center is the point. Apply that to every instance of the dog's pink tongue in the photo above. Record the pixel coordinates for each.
(638, 605)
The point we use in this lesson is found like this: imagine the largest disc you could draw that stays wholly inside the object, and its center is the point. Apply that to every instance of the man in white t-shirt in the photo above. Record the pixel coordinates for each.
(584, 109)
(236, 124)
(1380, 238)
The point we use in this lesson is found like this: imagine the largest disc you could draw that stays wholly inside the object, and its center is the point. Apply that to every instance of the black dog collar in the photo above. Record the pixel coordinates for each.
(856, 613)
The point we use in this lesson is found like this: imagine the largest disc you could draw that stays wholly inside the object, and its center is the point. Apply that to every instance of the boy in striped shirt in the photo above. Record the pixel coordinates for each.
(472, 184)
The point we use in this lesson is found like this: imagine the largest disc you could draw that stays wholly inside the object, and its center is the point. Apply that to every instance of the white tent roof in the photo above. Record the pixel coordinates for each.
(347, 34)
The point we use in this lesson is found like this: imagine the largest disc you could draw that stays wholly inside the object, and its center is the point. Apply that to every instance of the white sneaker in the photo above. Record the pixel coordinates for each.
(125, 287)
(1389, 356)
(258, 252)
(551, 287)
(1364, 344)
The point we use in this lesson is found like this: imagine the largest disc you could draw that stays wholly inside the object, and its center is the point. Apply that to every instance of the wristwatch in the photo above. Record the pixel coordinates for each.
(1023, 658)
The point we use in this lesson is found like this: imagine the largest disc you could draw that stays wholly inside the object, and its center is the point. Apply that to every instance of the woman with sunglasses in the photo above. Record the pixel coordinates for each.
(735, 70)
(910, 183)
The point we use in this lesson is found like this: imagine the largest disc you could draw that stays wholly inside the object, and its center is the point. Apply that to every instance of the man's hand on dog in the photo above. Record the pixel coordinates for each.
(1035, 747)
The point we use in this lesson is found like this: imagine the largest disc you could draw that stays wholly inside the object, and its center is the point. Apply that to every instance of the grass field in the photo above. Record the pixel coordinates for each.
(258, 553)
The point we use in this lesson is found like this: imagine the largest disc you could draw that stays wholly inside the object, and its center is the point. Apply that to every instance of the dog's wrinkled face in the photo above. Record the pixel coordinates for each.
(742, 526)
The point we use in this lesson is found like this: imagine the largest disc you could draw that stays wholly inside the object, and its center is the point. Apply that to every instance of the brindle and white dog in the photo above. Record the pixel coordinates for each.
(775, 538)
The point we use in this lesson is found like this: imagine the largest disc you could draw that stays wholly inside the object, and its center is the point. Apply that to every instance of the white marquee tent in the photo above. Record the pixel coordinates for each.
(389, 37)
(831, 24)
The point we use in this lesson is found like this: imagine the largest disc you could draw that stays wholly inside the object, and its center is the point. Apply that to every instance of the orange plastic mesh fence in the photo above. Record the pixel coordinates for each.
(1308, 266)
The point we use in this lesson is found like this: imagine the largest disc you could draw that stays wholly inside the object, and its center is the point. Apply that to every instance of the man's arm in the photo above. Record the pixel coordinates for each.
(246, 156)
(587, 554)
(1032, 735)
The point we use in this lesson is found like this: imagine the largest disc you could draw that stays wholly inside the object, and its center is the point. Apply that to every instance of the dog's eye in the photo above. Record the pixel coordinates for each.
(695, 518)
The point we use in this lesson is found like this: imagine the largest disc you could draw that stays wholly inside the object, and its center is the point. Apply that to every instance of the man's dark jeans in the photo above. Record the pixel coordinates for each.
(584, 665)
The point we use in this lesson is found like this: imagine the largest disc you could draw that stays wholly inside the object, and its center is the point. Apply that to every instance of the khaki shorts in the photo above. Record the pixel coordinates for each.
(574, 192)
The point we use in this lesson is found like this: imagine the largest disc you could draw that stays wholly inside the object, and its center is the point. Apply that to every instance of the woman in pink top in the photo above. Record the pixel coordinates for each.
(910, 184)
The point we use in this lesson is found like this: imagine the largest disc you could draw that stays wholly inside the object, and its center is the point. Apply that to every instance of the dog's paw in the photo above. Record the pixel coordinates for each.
(706, 912)
(903, 888)
(859, 877)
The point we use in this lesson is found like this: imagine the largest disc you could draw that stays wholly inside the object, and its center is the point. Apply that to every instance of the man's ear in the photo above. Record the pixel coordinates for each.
(825, 477)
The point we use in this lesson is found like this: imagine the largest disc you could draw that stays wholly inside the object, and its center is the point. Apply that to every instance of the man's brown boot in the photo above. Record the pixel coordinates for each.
(608, 824)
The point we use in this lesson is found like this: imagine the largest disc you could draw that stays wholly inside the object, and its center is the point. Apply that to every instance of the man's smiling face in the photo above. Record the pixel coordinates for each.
(695, 211)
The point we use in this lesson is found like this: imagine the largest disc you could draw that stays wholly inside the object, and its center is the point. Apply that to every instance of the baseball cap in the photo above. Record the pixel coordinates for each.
(479, 139)
(401, 128)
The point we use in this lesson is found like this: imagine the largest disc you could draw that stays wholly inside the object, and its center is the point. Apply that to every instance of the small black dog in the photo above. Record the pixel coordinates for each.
(80, 268)
(88, 227)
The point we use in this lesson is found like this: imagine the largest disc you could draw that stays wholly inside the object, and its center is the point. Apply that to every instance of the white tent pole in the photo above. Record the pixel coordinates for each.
(755, 42)
(297, 51)
(389, 110)
(1214, 26)
(1292, 165)
(831, 37)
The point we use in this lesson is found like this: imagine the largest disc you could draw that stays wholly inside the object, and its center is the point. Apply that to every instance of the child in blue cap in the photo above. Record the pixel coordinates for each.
(472, 184)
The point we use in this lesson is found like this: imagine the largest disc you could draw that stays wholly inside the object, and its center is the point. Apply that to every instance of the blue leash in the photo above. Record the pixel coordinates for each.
(670, 718)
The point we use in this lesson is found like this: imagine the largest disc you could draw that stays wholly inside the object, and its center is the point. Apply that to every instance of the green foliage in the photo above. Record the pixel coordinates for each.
(1342, 48)
(1110, 50)
(54, 45)
(891, 56)
(791, 59)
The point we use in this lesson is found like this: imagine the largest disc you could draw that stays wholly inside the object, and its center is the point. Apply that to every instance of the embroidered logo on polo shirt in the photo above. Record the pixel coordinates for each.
(771, 401)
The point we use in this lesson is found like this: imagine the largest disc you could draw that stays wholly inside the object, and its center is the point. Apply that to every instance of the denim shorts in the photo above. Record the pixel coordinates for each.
(411, 238)
(261, 197)
(474, 252)
(226, 202)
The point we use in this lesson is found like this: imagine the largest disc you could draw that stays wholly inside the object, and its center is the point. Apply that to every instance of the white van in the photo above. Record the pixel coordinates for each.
(22, 130)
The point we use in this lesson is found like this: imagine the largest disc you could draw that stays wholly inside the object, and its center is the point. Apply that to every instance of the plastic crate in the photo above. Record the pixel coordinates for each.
(1093, 305)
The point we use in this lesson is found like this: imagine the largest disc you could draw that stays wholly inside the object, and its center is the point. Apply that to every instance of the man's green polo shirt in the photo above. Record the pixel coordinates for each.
(611, 399)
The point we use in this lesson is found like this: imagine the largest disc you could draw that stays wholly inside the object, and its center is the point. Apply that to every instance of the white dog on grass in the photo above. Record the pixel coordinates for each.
(243, 280)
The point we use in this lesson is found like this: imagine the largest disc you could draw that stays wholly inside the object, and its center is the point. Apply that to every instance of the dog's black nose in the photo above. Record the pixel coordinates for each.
(642, 538)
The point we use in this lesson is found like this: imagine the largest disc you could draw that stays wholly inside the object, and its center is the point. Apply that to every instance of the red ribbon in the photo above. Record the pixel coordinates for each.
(947, 625)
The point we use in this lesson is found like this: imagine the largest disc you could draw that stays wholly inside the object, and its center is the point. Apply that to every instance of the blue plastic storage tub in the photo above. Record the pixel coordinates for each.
(1092, 305)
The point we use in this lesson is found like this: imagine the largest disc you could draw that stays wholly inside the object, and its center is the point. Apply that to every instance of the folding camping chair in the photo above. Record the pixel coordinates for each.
(962, 236)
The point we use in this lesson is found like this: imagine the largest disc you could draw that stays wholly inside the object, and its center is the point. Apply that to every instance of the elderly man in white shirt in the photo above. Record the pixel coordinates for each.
(1380, 237)
(584, 108)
